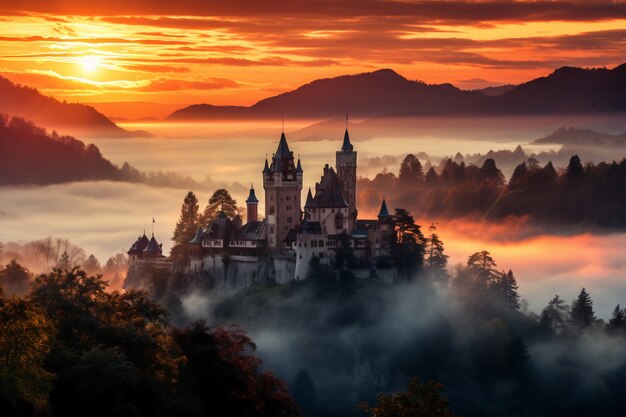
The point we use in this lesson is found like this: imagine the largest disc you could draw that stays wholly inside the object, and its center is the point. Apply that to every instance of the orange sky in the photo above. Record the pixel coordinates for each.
(236, 52)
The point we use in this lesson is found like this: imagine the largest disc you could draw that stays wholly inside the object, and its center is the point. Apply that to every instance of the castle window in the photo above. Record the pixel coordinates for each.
(323, 211)
(288, 198)
(271, 198)
(289, 207)
(272, 210)
(321, 243)
(289, 219)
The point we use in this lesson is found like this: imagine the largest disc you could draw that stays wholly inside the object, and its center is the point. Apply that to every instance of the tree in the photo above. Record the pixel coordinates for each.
(92, 265)
(226, 376)
(410, 171)
(407, 248)
(109, 342)
(435, 261)
(344, 255)
(519, 175)
(185, 229)
(304, 392)
(574, 170)
(483, 267)
(421, 400)
(553, 315)
(617, 323)
(15, 279)
(507, 289)
(431, 176)
(490, 174)
(26, 338)
(582, 314)
(221, 200)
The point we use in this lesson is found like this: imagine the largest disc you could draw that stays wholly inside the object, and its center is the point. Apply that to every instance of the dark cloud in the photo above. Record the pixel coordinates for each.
(438, 11)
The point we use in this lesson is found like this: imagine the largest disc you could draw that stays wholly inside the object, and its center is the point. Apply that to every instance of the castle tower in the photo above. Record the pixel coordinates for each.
(346, 171)
(282, 182)
(252, 206)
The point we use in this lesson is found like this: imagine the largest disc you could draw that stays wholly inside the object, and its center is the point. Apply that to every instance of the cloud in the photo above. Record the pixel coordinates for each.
(156, 68)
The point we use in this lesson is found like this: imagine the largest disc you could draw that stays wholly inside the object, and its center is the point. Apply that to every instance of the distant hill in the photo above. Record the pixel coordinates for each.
(567, 90)
(73, 118)
(587, 137)
(29, 155)
(362, 95)
(497, 90)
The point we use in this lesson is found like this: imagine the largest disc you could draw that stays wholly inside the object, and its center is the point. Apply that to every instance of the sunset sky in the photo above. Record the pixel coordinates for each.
(235, 52)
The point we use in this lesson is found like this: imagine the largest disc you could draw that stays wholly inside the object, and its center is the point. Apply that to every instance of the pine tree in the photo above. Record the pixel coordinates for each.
(556, 311)
(582, 314)
(435, 260)
(506, 287)
(411, 170)
(185, 228)
(617, 322)
(221, 200)
(482, 265)
(520, 173)
(574, 169)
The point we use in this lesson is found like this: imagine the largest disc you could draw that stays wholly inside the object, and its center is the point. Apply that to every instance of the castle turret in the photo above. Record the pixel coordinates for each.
(282, 182)
(346, 171)
(252, 206)
(384, 218)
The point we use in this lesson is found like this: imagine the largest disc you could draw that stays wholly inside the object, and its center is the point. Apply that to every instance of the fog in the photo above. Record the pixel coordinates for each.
(105, 218)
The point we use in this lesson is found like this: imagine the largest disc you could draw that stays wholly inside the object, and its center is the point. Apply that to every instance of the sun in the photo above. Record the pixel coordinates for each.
(90, 62)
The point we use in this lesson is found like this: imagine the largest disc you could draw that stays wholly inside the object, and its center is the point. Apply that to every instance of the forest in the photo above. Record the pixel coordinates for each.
(441, 340)
(589, 196)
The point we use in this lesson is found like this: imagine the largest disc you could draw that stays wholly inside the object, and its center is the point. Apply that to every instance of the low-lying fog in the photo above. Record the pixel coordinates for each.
(106, 217)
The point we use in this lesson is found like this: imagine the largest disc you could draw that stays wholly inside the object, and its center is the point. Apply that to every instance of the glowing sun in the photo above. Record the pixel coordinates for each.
(90, 63)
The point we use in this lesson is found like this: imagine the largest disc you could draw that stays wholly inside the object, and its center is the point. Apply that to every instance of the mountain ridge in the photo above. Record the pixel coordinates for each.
(567, 90)
(73, 118)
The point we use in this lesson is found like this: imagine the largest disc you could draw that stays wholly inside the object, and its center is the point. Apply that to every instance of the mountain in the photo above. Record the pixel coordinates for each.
(567, 90)
(73, 118)
(30, 155)
(587, 137)
(362, 95)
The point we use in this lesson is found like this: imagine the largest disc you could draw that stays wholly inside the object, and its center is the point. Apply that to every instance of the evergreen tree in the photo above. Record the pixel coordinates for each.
(556, 312)
(410, 170)
(221, 200)
(546, 324)
(435, 260)
(92, 266)
(15, 279)
(407, 249)
(617, 321)
(550, 171)
(574, 169)
(582, 314)
(483, 267)
(506, 287)
(519, 175)
(63, 262)
(185, 228)
(490, 173)
(431, 176)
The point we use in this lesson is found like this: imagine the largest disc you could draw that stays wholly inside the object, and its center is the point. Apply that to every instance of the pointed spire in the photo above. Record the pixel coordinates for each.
(266, 168)
(252, 197)
(309, 199)
(283, 149)
(299, 167)
(384, 212)
(347, 146)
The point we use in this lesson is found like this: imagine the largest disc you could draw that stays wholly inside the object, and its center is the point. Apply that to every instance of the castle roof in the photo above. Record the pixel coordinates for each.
(266, 168)
(220, 228)
(309, 199)
(384, 212)
(139, 245)
(292, 236)
(198, 237)
(251, 231)
(282, 161)
(252, 197)
(328, 192)
(299, 167)
(153, 246)
(283, 148)
(347, 146)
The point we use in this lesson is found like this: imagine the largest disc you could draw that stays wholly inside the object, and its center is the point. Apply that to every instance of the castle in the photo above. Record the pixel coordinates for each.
(289, 235)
